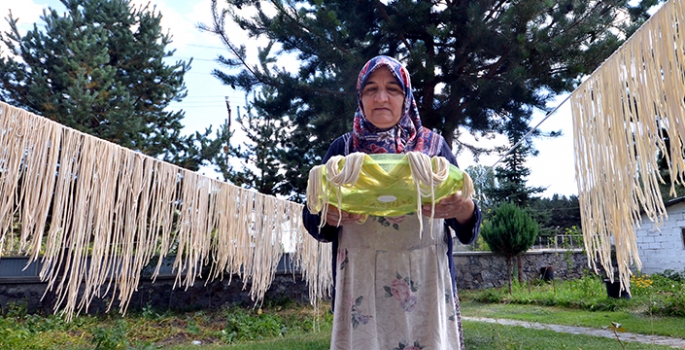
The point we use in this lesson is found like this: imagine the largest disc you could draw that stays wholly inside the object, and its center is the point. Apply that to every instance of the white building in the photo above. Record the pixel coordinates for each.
(663, 249)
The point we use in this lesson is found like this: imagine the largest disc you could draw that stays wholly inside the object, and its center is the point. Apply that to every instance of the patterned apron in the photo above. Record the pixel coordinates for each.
(393, 287)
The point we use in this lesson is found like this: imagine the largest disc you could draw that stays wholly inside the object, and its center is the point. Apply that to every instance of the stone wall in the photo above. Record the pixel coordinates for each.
(475, 270)
(479, 270)
(160, 295)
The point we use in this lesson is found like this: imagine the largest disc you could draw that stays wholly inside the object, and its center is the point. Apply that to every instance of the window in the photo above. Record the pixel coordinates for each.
(682, 233)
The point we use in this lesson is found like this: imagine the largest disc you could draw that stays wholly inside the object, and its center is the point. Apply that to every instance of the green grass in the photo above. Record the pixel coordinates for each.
(662, 296)
(632, 322)
(479, 336)
(312, 341)
(482, 336)
(148, 329)
(289, 326)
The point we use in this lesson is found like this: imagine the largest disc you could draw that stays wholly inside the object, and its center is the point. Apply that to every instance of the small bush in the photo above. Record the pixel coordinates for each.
(673, 275)
(241, 325)
(111, 338)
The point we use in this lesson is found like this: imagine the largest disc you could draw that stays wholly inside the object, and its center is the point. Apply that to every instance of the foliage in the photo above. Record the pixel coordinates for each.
(672, 275)
(556, 215)
(655, 295)
(511, 178)
(154, 329)
(480, 245)
(631, 321)
(668, 292)
(22, 330)
(667, 190)
(510, 232)
(111, 338)
(472, 63)
(259, 156)
(178, 331)
(100, 69)
(240, 325)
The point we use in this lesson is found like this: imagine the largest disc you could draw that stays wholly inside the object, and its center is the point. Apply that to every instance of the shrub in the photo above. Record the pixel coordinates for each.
(111, 338)
(241, 325)
(510, 232)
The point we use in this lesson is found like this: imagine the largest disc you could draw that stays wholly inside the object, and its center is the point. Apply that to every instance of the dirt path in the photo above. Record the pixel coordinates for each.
(677, 343)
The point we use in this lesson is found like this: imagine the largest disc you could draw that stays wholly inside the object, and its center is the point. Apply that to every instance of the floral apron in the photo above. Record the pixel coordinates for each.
(393, 287)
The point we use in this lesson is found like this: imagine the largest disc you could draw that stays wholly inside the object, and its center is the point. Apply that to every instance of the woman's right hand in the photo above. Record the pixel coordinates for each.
(341, 218)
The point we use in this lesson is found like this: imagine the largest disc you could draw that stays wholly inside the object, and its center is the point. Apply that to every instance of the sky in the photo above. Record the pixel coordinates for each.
(205, 104)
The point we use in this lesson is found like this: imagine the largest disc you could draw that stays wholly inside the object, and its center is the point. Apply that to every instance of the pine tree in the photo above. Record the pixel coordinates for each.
(259, 168)
(511, 178)
(472, 63)
(668, 192)
(100, 69)
(510, 232)
(556, 215)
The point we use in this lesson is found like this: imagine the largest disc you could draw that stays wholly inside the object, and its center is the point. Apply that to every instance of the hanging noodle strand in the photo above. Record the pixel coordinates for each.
(96, 214)
(621, 115)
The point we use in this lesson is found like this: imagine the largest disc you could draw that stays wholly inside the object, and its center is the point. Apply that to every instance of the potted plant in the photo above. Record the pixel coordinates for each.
(614, 287)
(547, 273)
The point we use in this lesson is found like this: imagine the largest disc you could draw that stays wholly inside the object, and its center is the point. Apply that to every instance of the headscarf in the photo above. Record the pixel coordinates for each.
(408, 134)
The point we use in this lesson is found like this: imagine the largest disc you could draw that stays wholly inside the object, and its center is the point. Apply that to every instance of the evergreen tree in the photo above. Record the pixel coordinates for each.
(511, 178)
(259, 167)
(472, 63)
(100, 69)
(556, 215)
(668, 192)
(510, 232)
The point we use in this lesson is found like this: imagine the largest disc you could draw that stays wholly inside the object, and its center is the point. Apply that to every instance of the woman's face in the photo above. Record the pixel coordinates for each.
(382, 99)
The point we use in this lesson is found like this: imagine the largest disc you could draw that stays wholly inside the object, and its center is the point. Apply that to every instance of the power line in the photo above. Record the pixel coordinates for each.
(208, 47)
(195, 58)
(532, 130)
(525, 137)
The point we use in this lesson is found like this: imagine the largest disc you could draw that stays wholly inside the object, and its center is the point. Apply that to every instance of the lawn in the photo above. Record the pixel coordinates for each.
(479, 336)
(633, 322)
(657, 307)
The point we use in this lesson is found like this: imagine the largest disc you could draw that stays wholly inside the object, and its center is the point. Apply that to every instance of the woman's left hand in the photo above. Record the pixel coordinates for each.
(454, 206)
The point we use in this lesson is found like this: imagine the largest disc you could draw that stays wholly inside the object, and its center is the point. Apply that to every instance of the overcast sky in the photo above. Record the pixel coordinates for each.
(552, 168)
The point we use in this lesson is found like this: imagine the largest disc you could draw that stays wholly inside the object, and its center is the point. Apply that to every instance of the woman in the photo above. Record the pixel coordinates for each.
(394, 288)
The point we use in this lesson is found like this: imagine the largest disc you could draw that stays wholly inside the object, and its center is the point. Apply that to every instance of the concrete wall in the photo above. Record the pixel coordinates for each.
(663, 249)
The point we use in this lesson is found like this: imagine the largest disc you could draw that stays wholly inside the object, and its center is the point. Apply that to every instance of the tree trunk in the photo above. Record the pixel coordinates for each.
(510, 273)
(520, 268)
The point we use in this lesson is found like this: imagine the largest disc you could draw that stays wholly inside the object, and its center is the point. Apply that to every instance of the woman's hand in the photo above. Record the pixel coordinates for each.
(454, 206)
(345, 218)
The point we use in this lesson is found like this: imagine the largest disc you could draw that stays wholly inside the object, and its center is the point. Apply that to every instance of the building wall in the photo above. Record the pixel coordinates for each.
(663, 249)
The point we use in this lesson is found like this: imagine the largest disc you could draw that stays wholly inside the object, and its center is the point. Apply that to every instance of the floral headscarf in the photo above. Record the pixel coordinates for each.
(408, 134)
